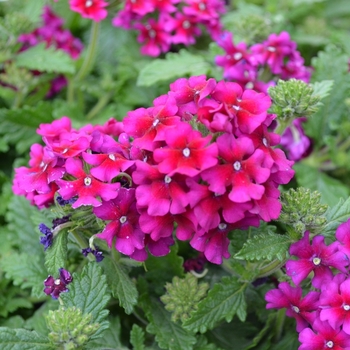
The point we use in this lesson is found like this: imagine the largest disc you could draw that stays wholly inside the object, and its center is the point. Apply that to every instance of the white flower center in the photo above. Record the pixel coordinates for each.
(316, 261)
(237, 56)
(222, 226)
(123, 219)
(57, 282)
(152, 33)
(295, 309)
(65, 151)
(186, 152)
(202, 6)
(329, 344)
(155, 123)
(87, 181)
(271, 49)
(346, 307)
(249, 85)
(264, 141)
(111, 157)
(167, 179)
(186, 24)
(89, 3)
(237, 165)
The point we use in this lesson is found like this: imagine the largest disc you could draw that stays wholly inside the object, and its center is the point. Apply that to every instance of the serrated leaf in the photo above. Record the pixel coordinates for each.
(137, 337)
(120, 283)
(322, 88)
(336, 215)
(45, 59)
(267, 245)
(27, 271)
(88, 292)
(169, 335)
(56, 254)
(331, 189)
(175, 65)
(18, 126)
(224, 301)
(21, 339)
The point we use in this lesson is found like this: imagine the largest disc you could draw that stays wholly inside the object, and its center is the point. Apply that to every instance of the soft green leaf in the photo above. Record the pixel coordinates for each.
(137, 337)
(21, 339)
(331, 189)
(120, 283)
(175, 65)
(322, 88)
(18, 126)
(265, 246)
(169, 335)
(46, 60)
(56, 254)
(88, 292)
(224, 300)
(336, 215)
(27, 271)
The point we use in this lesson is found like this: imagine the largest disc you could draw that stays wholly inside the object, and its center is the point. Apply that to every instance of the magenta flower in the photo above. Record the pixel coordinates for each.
(342, 234)
(159, 193)
(55, 287)
(323, 337)
(335, 304)
(124, 222)
(93, 9)
(316, 257)
(188, 152)
(303, 309)
(242, 170)
(88, 189)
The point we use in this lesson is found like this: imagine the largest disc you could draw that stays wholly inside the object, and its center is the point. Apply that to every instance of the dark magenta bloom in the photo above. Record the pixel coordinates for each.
(55, 287)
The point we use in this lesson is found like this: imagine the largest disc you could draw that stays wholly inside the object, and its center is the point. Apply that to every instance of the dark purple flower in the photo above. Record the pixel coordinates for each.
(62, 202)
(47, 239)
(96, 252)
(59, 221)
(55, 287)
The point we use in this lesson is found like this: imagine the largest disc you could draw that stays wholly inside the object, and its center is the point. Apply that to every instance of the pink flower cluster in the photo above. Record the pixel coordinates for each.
(201, 159)
(54, 35)
(92, 9)
(163, 23)
(322, 315)
(259, 66)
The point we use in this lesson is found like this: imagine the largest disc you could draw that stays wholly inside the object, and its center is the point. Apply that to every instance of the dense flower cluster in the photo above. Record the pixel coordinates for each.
(201, 159)
(163, 23)
(322, 315)
(54, 35)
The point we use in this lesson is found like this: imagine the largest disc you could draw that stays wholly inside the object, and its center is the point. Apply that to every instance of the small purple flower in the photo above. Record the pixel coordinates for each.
(60, 221)
(97, 253)
(47, 239)
(55, 287)
(62, 202)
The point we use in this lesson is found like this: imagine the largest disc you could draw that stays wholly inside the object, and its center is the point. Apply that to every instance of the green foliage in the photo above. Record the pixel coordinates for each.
(267, 245)
(21, 339)
(224, 301)
(45, 60)
(88, 292)
(137, 337)
(56, 254)
(122, 287)
(335, 216)
(302, 210)
(173, 66)
(70, 328)
(182, 296)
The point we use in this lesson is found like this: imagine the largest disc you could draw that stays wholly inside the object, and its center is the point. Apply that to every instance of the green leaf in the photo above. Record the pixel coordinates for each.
(120, 283)
(27, 271)
(88, 292)
(267, 245)
(56, 254)
(331, 189)
(335, 216)
(224, 300)
(169, 335)
(322, 88)
(21, 339)
(137, 337)
(18, 126)
(175, 65)
(45, 60)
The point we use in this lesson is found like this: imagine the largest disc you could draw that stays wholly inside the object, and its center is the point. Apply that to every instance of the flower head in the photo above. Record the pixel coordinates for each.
(93, 9)
(55, 287)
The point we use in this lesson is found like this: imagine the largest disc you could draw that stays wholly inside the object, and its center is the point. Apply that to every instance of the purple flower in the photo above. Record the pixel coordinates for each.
(55, 287)
(47, 239)
(96, 252)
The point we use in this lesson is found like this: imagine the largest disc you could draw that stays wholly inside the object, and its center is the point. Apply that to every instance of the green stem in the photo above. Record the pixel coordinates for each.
(101, 103)
(88, 61)
(270, 268)
(280, 317)
(81, 242)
